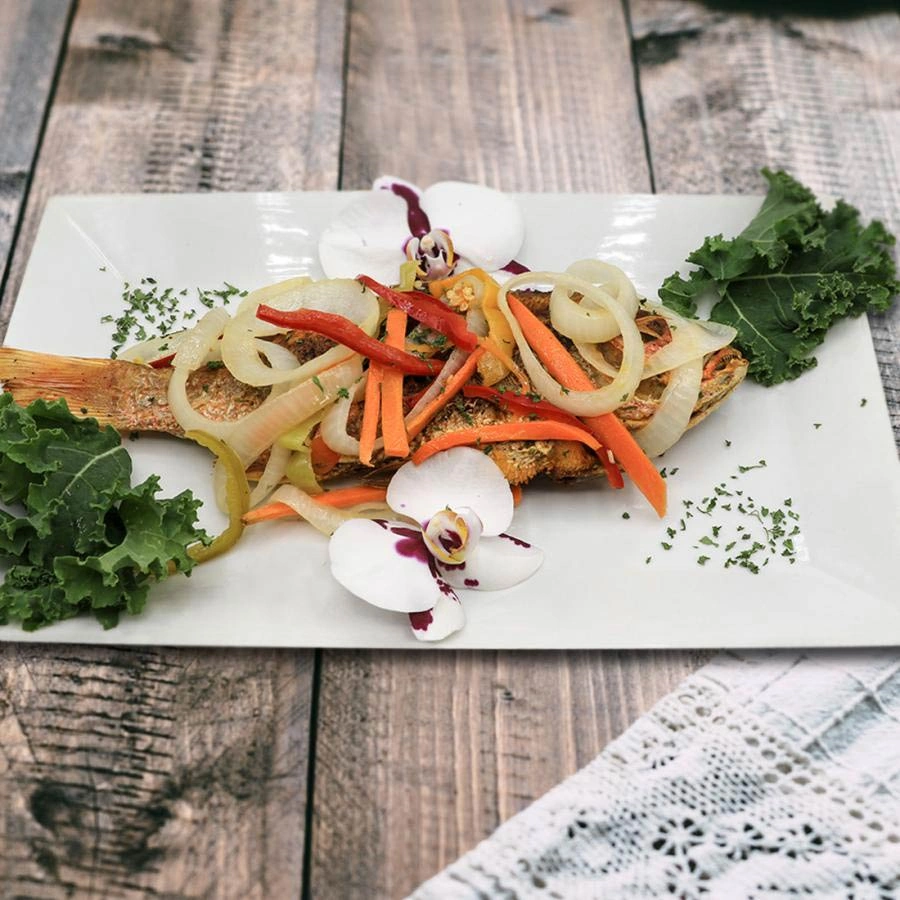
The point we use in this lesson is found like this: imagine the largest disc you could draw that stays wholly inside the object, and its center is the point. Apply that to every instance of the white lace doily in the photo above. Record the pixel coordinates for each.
(764, 775)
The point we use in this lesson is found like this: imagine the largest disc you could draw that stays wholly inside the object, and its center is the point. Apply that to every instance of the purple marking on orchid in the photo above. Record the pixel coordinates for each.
(411, 544)
(421, 620)
(515, 267)
(382, 523)
(517, 541)
(416, 217)
(446, 590)
(471, 582)
(450, 540)
(456, 567)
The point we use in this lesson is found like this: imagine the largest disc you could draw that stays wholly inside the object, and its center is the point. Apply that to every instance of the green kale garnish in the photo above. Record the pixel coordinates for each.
(76, 535)
(791, 274)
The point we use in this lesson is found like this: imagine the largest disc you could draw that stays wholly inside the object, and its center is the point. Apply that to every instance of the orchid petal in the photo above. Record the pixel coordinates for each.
(367, 237)
(385, 564)
(485, 225)
(458, 478)
(445, 617)
(496, 563)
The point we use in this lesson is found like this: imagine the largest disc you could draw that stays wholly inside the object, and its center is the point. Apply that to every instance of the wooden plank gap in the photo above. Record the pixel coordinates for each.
(306, 873)
(636, 74)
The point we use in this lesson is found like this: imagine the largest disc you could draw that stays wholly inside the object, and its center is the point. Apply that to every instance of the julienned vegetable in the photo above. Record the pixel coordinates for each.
(81, 537)
(426, 309)
(790, 275)
(345, 332)
(607, 428)
(237, 497)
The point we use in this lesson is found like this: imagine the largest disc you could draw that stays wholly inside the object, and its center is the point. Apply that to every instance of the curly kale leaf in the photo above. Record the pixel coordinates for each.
(791, 274)
(75, 534)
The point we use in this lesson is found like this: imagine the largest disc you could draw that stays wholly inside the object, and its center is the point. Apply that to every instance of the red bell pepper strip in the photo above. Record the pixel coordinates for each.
(350, 335)
(544, 409)
(426, 309)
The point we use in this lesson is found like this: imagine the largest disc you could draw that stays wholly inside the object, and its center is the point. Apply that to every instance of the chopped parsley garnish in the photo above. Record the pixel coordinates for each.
(772, 529)
(153, 312)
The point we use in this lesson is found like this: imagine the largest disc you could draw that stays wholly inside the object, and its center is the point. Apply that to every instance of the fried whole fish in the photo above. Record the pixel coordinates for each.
(133, 398)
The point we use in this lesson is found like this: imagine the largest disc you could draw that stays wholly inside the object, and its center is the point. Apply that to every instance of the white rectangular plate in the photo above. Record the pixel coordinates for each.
(832, 454)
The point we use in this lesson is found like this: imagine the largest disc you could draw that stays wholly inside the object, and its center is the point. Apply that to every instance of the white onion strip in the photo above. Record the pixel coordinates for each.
(690, 340)
(454, 363)
(276, 466)
(259, 429)
(579, 403)
(326, 519)
(673, 415)
(334, 426)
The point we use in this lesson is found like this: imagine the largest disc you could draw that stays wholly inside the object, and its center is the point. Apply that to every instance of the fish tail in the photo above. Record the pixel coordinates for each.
(104, 389)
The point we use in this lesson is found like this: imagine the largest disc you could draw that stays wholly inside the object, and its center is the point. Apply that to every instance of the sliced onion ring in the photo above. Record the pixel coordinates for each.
(240, 345)
(586, 321)
(673, 415)
(193, 351)
(579, 403)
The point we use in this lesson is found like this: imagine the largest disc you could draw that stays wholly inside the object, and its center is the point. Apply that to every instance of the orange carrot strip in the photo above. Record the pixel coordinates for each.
(393, 428)
(607, 428)
(527, 430)
(454, 385)
(371, 414)
(351, 496)
(517, 493)
(267, 512)
(321, 457)
(339, 498)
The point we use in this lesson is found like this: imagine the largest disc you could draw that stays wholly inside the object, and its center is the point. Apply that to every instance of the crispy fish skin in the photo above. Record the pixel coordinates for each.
(133, 398)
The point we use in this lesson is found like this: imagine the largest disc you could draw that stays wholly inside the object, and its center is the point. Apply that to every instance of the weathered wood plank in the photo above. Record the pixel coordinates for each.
(192, 97)
(726, 94)
(132, 773)
(421, 755)
(31, 39)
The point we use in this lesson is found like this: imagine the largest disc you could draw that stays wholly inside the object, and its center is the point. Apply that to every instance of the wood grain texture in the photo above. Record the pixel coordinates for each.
(173, 96)
(725, 94)
(31, 40)
(180, 773)
(520, 95)
(421, 755)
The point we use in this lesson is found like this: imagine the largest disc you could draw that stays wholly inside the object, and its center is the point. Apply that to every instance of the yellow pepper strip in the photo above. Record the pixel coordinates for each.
(493, 366)
(409, 271)
(237, 497)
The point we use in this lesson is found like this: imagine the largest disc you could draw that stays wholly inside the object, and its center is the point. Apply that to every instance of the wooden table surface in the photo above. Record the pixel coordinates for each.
(339, 774)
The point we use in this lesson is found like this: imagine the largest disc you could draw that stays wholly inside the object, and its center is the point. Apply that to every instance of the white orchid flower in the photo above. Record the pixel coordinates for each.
(462, 505)
(452, 225)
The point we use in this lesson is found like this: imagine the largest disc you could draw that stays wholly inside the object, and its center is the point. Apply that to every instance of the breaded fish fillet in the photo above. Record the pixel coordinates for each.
(133, 398)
